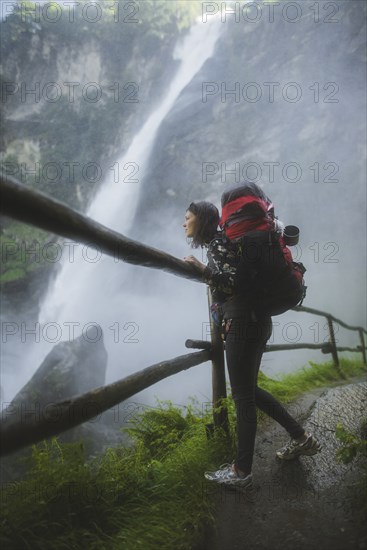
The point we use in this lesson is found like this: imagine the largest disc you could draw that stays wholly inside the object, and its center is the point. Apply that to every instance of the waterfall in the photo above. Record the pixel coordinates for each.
(89, 288)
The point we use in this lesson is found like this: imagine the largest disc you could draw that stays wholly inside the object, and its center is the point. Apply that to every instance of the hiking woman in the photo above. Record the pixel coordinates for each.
(245, 335)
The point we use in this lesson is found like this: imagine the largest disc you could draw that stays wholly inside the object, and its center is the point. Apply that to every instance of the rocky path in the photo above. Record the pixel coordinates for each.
(305, 504)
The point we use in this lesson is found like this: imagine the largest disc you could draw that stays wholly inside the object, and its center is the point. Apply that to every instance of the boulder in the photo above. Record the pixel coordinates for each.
(71, 368)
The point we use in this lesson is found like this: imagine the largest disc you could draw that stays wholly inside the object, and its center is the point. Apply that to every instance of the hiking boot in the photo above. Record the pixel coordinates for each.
(293, 449)
(227, 475)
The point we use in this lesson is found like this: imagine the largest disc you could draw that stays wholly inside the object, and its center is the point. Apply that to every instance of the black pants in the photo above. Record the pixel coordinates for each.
(245, 343)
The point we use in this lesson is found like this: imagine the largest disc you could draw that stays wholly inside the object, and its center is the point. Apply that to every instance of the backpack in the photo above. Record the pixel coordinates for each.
(266, 274)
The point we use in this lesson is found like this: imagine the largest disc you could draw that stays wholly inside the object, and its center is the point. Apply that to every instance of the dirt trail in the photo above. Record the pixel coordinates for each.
(305, 504)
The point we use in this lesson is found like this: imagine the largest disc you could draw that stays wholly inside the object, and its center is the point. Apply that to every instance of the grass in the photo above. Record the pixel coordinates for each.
(146, 496)
(313, 376)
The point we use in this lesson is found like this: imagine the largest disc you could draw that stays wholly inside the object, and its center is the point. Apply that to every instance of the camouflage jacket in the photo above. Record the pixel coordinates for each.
(219, 274)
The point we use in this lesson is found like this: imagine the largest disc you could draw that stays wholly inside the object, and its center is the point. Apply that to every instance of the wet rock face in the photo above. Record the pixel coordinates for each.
(225, 127)
(211, 129)
(345, 405)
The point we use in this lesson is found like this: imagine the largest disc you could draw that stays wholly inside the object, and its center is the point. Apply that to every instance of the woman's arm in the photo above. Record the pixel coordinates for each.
(200, 267)
(220, 272)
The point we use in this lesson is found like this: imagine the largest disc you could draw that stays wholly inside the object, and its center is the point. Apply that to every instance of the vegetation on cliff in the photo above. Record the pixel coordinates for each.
(75, 83)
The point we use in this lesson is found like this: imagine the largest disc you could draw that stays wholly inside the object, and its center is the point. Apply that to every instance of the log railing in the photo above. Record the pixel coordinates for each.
(19, 430)
(22, 426)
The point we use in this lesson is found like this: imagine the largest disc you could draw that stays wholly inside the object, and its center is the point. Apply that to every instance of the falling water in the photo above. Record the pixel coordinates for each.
(90, 287)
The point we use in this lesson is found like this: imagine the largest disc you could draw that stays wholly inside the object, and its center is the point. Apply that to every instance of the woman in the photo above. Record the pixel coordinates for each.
(201, 226)
(245, 335)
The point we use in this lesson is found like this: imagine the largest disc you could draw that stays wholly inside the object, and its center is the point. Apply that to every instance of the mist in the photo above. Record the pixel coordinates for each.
(207, 135)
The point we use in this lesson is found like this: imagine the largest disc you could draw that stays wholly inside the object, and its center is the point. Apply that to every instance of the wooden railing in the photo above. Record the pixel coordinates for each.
(29, 206)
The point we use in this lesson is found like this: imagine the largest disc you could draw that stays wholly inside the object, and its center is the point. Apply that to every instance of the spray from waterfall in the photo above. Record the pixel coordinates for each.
(89, 290)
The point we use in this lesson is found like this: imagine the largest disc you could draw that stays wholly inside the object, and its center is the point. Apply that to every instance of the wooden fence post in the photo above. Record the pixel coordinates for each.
(218, 373)
(334, 351)
(363, 346)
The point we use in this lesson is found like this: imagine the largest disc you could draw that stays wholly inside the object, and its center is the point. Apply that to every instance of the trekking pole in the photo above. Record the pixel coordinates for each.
(334, 351)
(220, 417)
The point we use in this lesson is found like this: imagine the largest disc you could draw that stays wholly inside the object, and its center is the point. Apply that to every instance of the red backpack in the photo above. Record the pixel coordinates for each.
(266, 273)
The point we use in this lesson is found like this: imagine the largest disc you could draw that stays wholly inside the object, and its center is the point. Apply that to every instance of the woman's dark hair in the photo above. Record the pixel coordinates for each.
(208, 218)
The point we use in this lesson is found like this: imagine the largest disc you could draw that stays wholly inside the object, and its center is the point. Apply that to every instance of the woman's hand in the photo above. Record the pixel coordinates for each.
(195, 263)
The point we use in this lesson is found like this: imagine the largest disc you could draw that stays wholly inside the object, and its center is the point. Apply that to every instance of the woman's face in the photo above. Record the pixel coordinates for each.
(190, 224)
